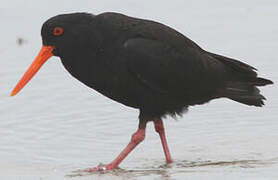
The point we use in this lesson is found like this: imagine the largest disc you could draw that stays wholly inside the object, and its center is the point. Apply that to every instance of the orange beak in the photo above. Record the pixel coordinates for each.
(44, 54)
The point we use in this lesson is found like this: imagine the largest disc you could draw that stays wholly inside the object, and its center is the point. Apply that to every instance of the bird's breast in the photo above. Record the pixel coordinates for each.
(108, 76)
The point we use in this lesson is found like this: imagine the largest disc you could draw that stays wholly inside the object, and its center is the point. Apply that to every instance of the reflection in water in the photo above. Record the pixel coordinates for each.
(165, 171)
(235, 163)
(123, 173)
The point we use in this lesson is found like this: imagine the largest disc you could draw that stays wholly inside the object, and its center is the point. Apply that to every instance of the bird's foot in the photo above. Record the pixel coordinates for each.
(100, 168)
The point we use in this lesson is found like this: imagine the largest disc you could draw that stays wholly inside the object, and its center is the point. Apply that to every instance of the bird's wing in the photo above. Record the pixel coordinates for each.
(166, 69)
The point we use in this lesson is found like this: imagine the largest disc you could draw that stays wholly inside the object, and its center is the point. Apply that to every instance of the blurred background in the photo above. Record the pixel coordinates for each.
(56, 125)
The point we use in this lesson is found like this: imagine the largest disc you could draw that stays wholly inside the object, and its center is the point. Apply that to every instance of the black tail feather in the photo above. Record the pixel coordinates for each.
(260, 82)
(235, 65)
(241, 82)
(244, 93)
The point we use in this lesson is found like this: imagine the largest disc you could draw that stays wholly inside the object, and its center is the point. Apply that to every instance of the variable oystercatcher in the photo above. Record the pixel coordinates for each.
(145, 65)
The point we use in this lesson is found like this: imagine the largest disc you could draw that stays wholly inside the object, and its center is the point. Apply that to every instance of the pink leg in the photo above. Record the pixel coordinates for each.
(136, 138)
(159, 128)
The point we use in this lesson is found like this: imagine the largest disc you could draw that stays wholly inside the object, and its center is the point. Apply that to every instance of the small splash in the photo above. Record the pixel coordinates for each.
(122, 172)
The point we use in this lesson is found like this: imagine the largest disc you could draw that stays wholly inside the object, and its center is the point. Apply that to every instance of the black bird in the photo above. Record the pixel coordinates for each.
(145, 65)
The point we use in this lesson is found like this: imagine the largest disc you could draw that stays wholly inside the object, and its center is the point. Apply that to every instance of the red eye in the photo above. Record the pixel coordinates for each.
(58, 31)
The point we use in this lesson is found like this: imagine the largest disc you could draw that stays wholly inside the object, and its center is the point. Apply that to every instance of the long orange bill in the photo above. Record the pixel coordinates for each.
(44, 54)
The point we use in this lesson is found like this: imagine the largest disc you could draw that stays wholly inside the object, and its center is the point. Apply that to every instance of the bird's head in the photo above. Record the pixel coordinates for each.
(59, 34)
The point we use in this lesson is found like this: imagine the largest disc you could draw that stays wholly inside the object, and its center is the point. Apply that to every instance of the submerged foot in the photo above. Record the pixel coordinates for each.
(100, 168)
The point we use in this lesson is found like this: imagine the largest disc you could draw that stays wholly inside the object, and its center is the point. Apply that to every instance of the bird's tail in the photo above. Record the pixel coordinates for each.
(242, 82)
(244, 93)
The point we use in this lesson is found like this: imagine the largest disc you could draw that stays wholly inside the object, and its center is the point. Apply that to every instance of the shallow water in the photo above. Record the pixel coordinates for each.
(57, 126)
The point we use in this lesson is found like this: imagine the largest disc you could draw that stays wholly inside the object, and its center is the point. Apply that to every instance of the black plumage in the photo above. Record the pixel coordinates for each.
(147, 65)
